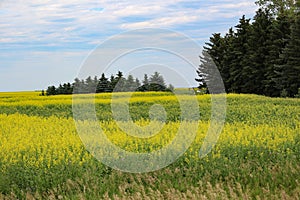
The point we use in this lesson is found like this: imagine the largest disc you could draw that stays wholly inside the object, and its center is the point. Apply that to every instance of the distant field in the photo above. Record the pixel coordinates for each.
(42, 156)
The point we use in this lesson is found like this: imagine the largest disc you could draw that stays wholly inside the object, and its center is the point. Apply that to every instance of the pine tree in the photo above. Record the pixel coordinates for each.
(130, 84)
(76, 86)
(278, 37)
(89, 85)
(227, 60)
(157, 82)
(112, 83)
(51, 90)
(238, 53)
(207, 71)
(120, 82)
(215, 48)
(145, 86)
(201, 71)
(103, 85)
(278, 7)
(254, 67)
(291, 53)
(137, 83)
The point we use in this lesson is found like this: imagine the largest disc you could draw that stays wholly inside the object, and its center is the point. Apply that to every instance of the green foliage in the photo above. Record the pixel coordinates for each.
(290, 70)
(232, 169)
(298, 95)
(115, 84)
(261, 57)
(278, 7)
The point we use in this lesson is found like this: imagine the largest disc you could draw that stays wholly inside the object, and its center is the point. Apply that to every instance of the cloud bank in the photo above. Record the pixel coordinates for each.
(38, 35)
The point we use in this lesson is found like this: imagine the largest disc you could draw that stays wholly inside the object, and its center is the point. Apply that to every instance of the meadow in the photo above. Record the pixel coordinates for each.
(42, 156)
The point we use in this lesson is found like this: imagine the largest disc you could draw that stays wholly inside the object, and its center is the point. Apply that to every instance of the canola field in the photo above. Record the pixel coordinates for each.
(257, 155)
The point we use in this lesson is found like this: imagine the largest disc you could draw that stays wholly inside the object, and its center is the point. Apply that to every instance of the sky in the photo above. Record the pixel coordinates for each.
(48, 42)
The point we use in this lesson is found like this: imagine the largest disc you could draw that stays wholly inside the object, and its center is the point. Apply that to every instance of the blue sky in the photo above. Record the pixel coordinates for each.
(45, 42)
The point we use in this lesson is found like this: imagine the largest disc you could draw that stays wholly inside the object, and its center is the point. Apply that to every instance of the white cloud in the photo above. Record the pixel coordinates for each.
(64, 27)
(194, 15)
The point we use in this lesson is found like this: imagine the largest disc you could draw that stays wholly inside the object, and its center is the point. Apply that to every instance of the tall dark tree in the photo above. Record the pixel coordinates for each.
(137, 83)
(239, 50)
(278, 7)
(157, 82)
(278, 39)
(202, 71)
(260, 58)
(51, 90)
(120, 82)
(146, 85)
(208, 77)
(291, 53)
(130, 84)
(115, 84)
(146, 80)
(77, 86)
(103, 84)
(112, 83)
(228, 57)
(90, 87)
(254, 67)
(216, 48)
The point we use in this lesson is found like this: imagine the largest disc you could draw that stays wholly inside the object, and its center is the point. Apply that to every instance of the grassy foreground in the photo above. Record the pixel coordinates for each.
(42, 157)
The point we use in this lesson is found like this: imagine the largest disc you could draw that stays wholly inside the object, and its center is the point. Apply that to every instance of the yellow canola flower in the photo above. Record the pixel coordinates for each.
(49, 141)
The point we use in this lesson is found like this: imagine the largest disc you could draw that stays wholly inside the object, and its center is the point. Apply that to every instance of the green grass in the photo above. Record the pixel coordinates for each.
(265, 165)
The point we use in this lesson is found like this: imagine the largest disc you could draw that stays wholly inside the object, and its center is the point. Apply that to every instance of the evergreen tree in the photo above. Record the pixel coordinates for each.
(278, 37)
(228, 57)
(278, 7)
(207, 79)
(202, 71)
(130, 84)
(112, 83)
(170, 88)
(77, 86)
(146, 80)
(89, 85)
(146, 85)
(120, 82)
(157, 82)
(216, 48)
(158, 79)
(291, 69)
(238, 53)
(254, 67)
(103, 85)
(137, 83)
(60, 89)
(67, 88)
(51, 90)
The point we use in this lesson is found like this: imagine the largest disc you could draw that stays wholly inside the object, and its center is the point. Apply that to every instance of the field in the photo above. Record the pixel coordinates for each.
(42, 156)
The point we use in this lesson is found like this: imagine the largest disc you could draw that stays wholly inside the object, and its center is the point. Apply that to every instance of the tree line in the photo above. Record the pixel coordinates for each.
(261, 56)
(116, 83)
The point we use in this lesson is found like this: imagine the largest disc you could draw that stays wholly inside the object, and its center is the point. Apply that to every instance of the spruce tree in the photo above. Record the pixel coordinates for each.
(238, 53)
(103, 85)
(130, 84)
(157, 82)
(253, 63)
(291, 53)
(120, 82)
(277, 40)
(228, 57)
